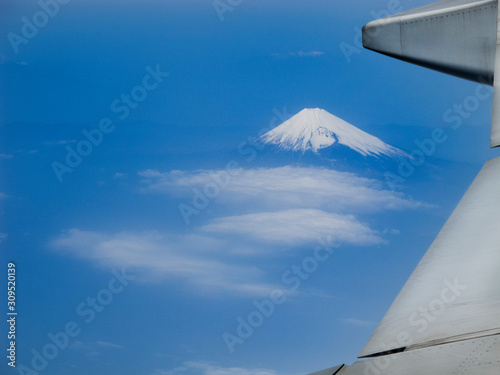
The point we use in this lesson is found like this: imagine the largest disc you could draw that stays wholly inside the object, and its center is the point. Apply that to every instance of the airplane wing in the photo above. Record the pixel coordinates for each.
(457, 37)
(330, 371)
(446, 319)
(471, 357)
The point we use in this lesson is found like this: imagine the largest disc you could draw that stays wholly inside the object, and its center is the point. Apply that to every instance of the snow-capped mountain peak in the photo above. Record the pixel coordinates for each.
(315, 129)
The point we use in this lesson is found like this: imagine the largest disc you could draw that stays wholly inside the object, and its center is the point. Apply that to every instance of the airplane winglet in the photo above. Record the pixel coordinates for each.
(495, 116)
(456, 37)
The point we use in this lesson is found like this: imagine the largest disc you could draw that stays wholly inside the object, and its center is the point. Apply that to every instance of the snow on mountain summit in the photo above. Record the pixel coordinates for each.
(315, 129)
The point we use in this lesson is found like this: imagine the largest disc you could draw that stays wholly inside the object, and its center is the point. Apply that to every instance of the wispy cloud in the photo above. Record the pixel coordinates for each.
(6, 156)
(285, 187)
(219, 256)
(105, 344)
(93, 350)
(358, 322)
(60, 142)
(265, 213)
(118, 175)
(298, 54)
(80, 345)
(296, 227)
(199, 261)
(203, 368)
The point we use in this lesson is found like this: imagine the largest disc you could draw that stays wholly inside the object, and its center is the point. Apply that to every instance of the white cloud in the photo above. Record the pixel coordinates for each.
(285, 187)
(219, 256)
(296, 227)
(358, 322)
(106, 344)
(119, 175)
(60, 142)
(310, 53)
(196, 260)
(279, 209)
(6, 156)
(93, 350)
(65, 141)
(80, 345)
(299, 54)
(202, 368)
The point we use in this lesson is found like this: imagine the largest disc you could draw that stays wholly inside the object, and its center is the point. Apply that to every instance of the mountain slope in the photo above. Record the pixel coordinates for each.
(315, 129)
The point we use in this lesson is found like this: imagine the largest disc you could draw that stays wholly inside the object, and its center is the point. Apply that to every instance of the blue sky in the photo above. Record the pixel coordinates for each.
(193, 277)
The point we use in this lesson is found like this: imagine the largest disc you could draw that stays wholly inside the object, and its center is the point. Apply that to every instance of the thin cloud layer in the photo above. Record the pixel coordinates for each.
(202, 368)
(192, 259)
(285, 187)
(94, 350)
(279, 209)
(358, 322)
(219, 256)
(296, 227)
(299, 54)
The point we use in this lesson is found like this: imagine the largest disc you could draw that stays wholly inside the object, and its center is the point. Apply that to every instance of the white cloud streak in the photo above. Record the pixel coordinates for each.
(60, 142)
(194, 259)
(285, 187)
(299, 54)
(296, 227)
(219, 256)
(358, 322)
(279, 209)
(93, 350)
(202, 368)
(216, 257)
